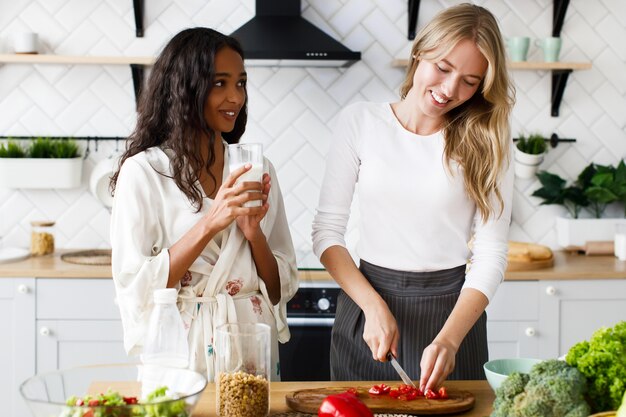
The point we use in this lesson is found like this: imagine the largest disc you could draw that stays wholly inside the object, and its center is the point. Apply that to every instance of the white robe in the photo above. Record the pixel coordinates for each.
(149, 215)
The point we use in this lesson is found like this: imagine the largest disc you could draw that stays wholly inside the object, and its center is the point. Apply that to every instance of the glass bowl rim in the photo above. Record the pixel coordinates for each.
(106, 365)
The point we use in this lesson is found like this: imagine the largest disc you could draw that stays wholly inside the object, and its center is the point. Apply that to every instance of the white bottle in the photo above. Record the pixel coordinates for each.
(166, 340)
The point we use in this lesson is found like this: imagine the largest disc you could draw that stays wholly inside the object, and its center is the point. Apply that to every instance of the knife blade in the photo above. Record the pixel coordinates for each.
(405, 378)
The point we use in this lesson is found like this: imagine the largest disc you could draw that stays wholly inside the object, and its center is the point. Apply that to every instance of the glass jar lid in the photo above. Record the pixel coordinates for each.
(42, 223)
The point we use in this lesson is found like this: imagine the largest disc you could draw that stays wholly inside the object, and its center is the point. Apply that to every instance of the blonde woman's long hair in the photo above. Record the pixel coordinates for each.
(477, 133)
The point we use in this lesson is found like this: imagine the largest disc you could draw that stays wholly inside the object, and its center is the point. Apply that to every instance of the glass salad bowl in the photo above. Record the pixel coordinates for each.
(120, 390)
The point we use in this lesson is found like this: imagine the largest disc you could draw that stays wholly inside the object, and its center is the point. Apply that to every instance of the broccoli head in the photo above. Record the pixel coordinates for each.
(602, 360)
(553, 388)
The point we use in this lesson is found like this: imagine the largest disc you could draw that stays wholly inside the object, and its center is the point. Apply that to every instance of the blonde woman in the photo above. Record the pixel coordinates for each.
(434, 173)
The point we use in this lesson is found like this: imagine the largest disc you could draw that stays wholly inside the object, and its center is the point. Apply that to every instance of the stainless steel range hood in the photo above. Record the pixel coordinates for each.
(279, 36)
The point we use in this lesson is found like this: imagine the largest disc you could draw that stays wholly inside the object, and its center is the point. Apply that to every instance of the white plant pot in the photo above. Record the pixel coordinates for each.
(528, 159)
(525, 171)
(41, 172)
(577, 232)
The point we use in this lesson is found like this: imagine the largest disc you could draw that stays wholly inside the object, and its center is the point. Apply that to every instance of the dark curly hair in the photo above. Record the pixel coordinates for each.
(171, 107)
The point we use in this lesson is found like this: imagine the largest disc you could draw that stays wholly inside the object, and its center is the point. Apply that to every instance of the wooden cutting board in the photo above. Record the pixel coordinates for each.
(309, 400)
(530, 265)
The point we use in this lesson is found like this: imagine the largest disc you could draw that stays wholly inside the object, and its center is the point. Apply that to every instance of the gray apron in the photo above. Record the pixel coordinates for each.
(421, 303)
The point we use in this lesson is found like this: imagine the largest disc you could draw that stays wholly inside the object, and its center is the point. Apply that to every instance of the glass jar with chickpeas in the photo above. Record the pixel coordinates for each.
(243, 367)
(41, 238)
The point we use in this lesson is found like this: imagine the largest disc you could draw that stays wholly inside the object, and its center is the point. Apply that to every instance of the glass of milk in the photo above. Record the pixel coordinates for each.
(620, 241)
(247, 153)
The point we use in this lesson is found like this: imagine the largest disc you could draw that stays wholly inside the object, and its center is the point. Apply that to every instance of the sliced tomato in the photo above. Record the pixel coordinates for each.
(352, 391)
(88, 413)
(443, 393)
(93, 403)
(130, 400)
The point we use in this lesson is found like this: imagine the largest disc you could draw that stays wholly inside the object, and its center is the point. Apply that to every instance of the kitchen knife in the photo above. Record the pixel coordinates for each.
(405, 378)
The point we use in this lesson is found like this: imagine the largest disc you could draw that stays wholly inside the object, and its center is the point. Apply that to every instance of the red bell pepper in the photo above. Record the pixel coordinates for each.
(345, 404)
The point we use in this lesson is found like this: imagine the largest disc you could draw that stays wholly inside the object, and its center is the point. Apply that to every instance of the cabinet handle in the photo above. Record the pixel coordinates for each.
(530, 331)
(44, 331)
(23, 289)
(550, 290)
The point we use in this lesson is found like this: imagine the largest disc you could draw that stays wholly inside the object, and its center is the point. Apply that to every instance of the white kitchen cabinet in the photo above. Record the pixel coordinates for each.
(513, 321)
(78, 323)
(544, 319)
(573, 310)
(52, 323)
(17, 343)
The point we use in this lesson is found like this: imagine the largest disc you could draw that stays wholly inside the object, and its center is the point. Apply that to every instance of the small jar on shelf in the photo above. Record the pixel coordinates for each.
(41, 238)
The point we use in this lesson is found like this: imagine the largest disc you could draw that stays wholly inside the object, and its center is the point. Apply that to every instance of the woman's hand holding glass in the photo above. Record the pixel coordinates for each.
(229, 200)
(250, 225)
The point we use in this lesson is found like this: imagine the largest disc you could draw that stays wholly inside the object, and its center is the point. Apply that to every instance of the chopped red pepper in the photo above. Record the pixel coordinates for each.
(343, 405)
(443, 393)
(130, 400)
(380, 389)
(430, 394)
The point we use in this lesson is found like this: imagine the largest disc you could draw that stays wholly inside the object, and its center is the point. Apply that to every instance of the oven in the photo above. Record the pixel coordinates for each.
(310, 315)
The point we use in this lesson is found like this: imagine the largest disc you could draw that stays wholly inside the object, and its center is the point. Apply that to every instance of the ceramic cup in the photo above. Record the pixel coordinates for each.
(551, 48)
(25, 43)
(620, 241)
(518, 47)
(247, 153)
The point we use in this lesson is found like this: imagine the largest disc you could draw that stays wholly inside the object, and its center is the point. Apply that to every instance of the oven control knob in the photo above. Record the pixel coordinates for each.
(323, 304)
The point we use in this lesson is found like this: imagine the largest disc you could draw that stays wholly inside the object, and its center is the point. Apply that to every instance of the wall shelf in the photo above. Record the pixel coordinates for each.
(136, 63)
(560, 73)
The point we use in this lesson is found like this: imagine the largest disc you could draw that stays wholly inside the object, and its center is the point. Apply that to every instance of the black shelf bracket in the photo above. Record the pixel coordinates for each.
(414, 7)
(559, 80)
(559, 8)
(137, 71)
(138, 9)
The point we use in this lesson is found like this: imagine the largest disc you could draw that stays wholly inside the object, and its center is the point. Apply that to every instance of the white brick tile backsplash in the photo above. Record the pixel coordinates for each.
(589, 11)
(348, 86)
(612, 67)
(385, 32)
(282, 83)
(292, 110)
(315, 131)
(317, 99)
(351, 14)
(611, 135)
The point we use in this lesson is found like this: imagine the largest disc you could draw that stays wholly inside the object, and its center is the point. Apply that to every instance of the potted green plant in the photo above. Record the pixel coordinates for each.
(41, 163)
(529, 152)
(595, 188)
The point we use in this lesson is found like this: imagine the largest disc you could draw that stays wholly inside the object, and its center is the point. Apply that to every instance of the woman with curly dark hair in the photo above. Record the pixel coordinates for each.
(178, 216)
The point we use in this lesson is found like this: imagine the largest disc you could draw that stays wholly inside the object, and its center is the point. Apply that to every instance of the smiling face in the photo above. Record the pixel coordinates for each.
(228, 93)
(443, 84)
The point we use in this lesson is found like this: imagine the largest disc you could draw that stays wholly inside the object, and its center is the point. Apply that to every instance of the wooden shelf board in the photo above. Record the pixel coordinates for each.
(527, 65)
(71, 60)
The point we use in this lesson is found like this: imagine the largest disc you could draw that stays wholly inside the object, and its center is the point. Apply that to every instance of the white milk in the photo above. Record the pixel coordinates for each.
(254, 174)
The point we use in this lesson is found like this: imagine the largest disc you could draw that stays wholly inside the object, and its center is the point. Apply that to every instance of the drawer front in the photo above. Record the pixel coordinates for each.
(515, 300)
(83, 299)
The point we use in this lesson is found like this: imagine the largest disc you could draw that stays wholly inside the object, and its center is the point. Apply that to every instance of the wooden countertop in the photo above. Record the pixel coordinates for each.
(566, 267)
(482, 392)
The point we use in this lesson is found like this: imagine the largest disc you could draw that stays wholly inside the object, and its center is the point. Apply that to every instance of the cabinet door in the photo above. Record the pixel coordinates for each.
(67, 343)
(513, 327)
(572, 310)
(17, 344)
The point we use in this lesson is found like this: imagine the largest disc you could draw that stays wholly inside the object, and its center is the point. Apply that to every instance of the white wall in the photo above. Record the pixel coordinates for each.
(291, 108)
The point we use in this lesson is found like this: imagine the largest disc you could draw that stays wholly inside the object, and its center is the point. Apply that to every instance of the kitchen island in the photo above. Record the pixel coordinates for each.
(482, 393)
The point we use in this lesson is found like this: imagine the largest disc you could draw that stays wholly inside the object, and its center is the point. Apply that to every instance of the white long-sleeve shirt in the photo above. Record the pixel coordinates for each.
(415, 215)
